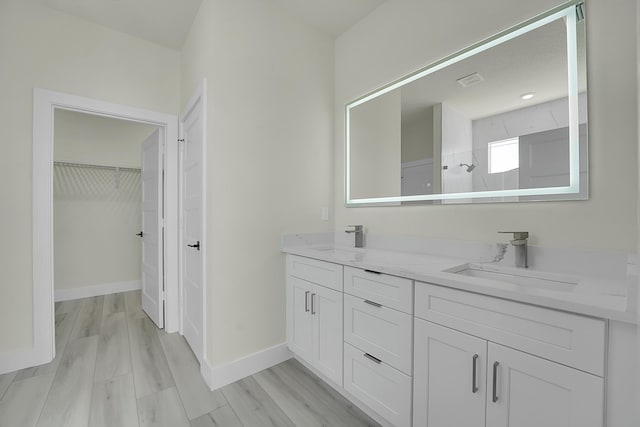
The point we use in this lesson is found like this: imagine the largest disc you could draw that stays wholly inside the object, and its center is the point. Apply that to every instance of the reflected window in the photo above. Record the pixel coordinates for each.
(504, 155)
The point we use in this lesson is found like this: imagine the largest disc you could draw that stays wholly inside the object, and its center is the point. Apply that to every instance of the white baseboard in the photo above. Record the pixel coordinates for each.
(219, 376)
(15, 360)
(95, 290)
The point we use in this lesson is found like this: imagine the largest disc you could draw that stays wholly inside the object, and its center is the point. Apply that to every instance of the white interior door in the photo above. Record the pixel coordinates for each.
(544, 162)
(417, 177)
(152, 229)
(192, 227)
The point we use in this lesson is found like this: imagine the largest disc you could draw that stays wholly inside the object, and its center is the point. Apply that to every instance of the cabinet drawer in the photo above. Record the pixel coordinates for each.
(383, 332)
(384, 389)
(566, 338)
(390, 291)
(314, 271)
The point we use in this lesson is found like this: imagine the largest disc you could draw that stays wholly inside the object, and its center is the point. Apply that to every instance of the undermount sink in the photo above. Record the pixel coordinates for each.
(519, 277)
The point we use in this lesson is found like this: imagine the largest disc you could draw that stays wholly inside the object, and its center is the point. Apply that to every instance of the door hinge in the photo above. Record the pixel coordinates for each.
(580, 12)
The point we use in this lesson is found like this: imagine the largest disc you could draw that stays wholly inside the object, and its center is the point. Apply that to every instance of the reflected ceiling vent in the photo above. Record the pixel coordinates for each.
(470, 80)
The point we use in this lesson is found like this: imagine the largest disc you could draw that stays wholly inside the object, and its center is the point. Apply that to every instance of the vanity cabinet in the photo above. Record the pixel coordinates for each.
(482, 373)
(378, 335)
(426, 355)
(314, 319)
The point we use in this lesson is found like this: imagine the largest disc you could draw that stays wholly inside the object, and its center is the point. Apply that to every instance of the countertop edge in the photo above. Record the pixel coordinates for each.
(474, 285)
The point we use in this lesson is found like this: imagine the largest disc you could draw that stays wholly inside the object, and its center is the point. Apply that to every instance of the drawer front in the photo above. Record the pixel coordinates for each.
(380, 331)
(566, 338)
(390, 291)
(384, 389)
(314, 271)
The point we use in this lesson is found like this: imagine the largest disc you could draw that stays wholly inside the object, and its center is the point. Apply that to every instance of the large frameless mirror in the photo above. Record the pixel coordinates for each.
(502, 121)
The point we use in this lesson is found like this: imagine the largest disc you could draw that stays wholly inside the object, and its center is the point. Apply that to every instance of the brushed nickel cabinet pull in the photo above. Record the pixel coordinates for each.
(495, 381)
(375, 304)
(313, 303)
(474, 379)
(306, 301)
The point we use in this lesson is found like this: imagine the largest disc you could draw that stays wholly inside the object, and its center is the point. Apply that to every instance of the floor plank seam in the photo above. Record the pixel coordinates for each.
(61, 355)
(135, 390)
(298, 394)
(233, 409)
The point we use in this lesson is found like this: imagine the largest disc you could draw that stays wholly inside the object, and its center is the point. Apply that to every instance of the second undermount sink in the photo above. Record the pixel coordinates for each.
(516, 276)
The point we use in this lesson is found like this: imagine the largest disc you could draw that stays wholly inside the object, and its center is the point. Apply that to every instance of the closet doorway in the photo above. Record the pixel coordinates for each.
(46, 104)
(97, 206)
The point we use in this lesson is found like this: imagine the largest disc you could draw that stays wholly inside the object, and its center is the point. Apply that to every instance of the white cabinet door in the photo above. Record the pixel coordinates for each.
(533, 392)
(299, 320)
(326, 310)
(449, 377)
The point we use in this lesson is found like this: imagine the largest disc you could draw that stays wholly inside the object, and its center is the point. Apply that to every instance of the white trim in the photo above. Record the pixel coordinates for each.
(219, 376)
(14, 360)
(199, 96)
(95, 290)
(44, 104)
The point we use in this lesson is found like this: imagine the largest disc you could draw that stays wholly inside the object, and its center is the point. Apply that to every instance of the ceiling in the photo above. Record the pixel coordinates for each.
(533, 62)
(333, 17)
(167, 22)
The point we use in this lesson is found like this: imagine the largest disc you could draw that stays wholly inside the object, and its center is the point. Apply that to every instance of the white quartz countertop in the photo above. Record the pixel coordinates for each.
(593, 296)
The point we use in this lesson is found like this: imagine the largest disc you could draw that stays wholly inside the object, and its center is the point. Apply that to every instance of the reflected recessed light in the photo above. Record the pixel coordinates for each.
(527, 95)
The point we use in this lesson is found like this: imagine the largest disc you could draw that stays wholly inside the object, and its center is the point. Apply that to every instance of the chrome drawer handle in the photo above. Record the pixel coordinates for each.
(374, 272)
(313, 304)
(375, 359)
(306, 301)
(375, 304)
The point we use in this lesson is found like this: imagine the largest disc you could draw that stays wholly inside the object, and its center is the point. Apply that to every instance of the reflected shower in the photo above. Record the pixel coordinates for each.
(469, 167)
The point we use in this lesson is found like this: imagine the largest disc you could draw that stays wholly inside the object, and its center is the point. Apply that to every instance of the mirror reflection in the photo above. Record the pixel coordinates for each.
(506, 123)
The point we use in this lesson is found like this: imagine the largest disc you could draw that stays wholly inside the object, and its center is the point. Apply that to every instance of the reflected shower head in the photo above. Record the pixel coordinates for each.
(469, 167)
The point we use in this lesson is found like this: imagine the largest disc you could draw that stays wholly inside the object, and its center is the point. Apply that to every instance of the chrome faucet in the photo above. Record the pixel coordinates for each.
(520, 243)
(358, 229)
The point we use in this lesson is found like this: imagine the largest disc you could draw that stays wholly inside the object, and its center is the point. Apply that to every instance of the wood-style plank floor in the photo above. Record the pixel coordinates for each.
(114, 368)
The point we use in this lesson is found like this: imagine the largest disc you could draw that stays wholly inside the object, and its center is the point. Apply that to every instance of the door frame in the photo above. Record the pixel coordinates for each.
(45, 102)
(199, 96)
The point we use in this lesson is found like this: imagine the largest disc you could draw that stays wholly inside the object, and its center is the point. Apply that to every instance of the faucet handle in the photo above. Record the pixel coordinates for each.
(517, 235)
